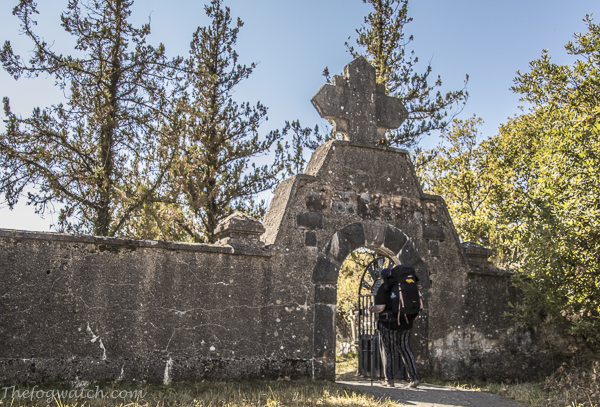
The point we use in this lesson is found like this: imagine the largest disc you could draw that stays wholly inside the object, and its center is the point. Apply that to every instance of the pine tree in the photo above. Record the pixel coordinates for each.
(215, 173)
(101, 154)
(383, 42)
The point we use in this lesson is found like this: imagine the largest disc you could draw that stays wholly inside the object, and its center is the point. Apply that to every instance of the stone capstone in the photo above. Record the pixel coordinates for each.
(240, 229)
(477, 255)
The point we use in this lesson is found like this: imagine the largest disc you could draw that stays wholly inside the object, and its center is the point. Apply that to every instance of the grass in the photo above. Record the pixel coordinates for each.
(532, 394)
(290, 393)
(567, 387)
(346, 367)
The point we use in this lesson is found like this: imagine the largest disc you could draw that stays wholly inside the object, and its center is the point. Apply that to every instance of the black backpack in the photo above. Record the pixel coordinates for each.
(405, 295)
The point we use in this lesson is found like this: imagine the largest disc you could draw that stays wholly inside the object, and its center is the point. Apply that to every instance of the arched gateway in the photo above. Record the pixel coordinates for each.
(261, 302)
(384, 239)
(358, 195)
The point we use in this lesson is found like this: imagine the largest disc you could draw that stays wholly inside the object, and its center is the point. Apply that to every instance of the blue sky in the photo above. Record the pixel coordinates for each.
(292, 41)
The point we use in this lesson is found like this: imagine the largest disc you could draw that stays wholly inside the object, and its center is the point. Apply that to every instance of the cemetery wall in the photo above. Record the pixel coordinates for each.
(94, 308)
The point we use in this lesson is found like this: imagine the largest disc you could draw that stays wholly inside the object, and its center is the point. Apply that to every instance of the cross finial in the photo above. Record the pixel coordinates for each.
(358, 105)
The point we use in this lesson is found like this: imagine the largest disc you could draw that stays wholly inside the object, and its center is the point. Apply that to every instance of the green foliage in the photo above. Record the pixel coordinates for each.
(456, 170)
(101, 154)
(532, 192)
(383, 42)
(351, 272)
(548, 169)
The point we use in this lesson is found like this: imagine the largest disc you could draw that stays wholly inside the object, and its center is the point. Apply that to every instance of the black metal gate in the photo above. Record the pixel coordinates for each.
(369, 359)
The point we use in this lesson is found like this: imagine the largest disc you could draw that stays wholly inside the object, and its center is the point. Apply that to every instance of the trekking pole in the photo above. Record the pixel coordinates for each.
(372, 349)
(372, 357)
(392, 350)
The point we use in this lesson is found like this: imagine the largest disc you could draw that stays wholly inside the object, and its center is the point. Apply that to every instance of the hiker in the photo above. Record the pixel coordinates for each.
(398, 303)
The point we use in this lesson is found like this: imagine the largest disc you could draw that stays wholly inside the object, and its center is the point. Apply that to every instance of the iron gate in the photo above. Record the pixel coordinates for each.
(369, 359)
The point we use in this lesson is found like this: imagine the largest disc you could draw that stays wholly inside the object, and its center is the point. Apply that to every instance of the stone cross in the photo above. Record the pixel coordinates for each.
(358, 105)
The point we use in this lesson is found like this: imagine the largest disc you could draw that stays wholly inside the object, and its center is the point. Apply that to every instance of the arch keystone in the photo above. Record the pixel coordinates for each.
(374, 234)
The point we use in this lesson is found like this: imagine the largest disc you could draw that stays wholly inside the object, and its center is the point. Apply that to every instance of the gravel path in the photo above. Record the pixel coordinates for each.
(429, 395)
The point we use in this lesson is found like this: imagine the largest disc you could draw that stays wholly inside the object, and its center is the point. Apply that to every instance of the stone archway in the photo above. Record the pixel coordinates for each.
(381, 237)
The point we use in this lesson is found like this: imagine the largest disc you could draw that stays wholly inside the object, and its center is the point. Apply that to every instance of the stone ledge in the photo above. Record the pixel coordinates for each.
(490, 272)
(117, 241)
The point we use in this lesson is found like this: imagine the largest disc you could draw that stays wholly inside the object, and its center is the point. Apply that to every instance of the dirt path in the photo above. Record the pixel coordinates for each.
(429, 395)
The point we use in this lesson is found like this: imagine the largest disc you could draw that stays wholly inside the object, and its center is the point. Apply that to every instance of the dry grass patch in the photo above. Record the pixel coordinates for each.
(292, 393)
(567, 387)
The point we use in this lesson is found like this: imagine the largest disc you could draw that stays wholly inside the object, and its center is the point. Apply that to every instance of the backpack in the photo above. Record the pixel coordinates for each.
(405, 295)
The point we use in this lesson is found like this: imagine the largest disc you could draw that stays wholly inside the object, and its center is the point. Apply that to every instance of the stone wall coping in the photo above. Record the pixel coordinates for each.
(491, 272)
(429, 197)
(117, 241)
(473, 249)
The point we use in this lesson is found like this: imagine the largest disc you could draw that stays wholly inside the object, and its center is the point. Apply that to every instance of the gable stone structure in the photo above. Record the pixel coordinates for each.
(97, 308)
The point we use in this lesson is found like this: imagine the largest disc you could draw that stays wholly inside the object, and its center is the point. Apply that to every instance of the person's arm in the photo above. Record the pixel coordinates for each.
(379, 300)
(377, 308)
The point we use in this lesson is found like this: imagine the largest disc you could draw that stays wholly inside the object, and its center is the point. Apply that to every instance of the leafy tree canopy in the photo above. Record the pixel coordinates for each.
(536, 187)
(548, 166)
(456, 170)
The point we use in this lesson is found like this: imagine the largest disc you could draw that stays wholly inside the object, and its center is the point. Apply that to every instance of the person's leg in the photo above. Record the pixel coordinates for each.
(407, 355)
(385, 337)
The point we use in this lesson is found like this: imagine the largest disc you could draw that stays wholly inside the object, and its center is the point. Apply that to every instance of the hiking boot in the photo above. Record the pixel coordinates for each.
(387, 383)
(414, 384)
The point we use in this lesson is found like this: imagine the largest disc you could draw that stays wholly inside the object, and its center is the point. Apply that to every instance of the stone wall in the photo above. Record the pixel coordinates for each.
(96, 308)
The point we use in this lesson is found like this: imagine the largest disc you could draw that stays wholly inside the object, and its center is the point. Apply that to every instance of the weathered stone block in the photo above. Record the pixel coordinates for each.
(338, 247)
(355, 235)
(309, 220)
(368, 207)
(310, 238)
(423, 275)
(347, 208)
(317, 203)
(325, 271)
(324, 328)
(434, 248)
(434, 233)
(324, 369)
(325, 294)
(408, 254)
(395, 239)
